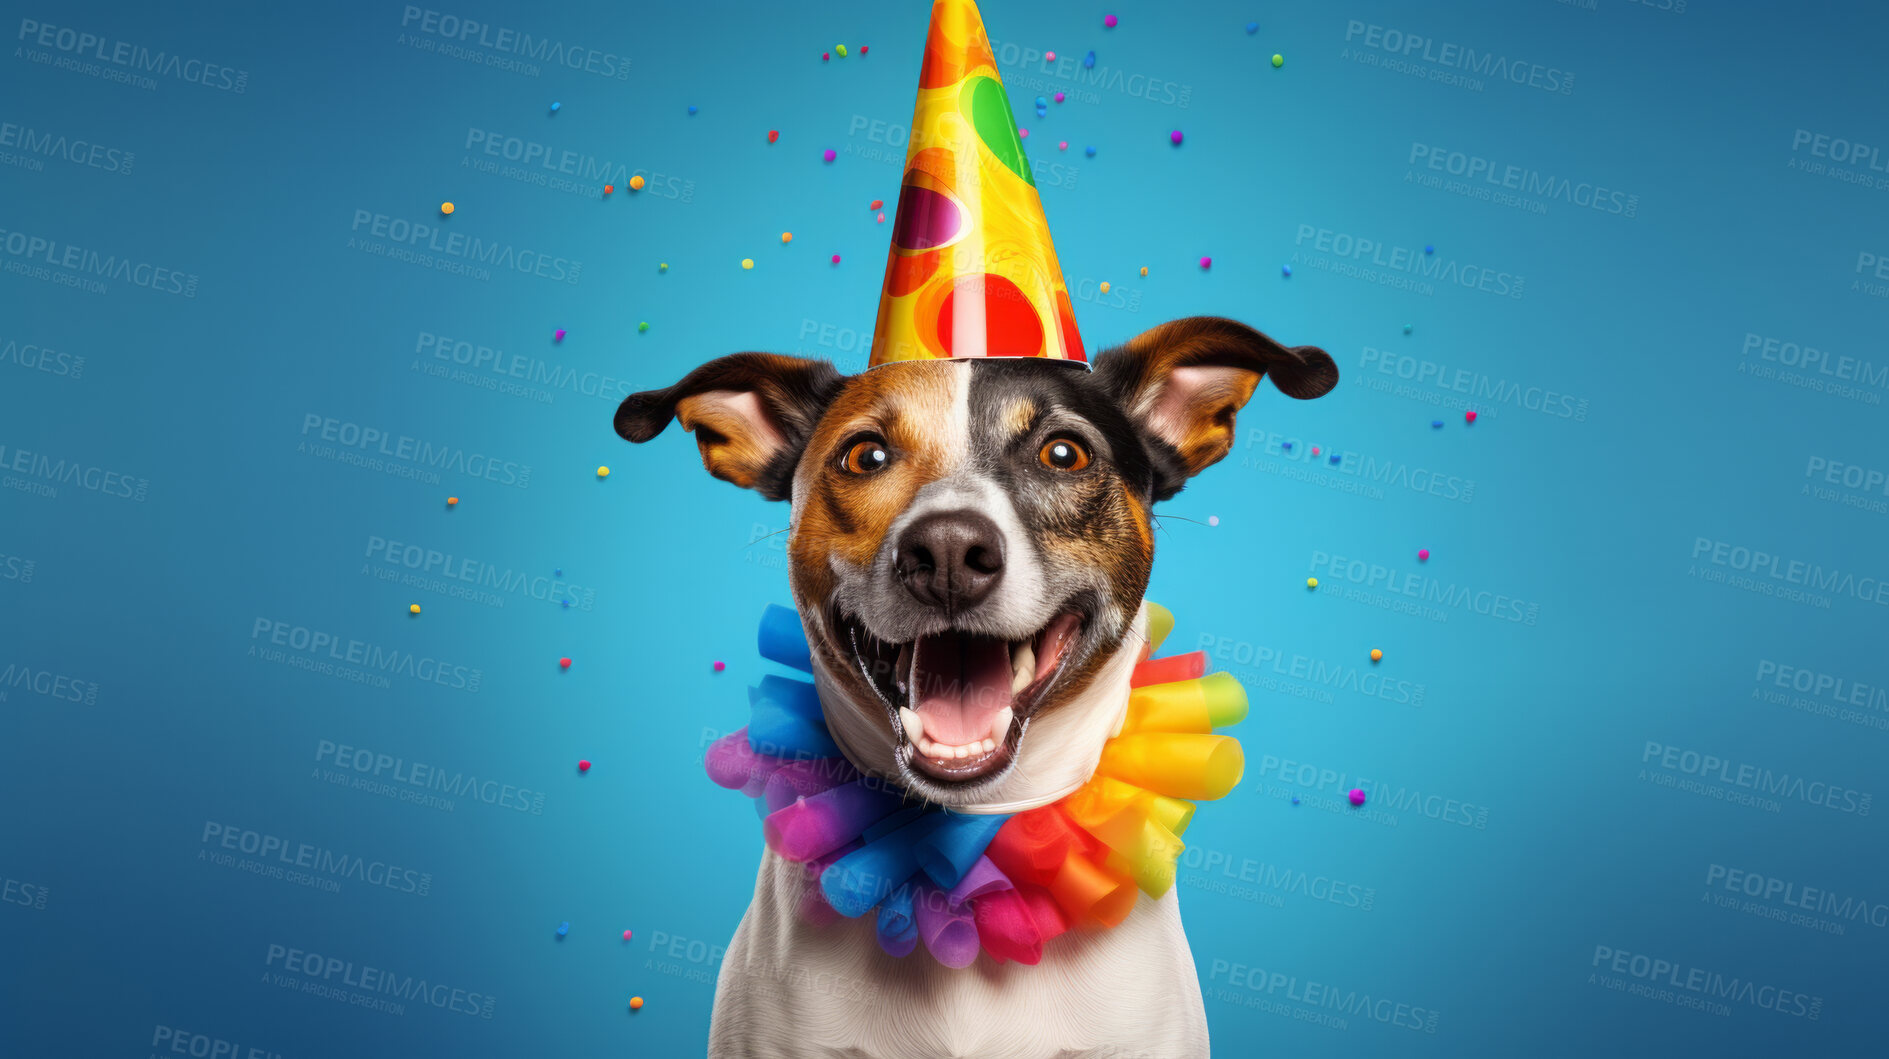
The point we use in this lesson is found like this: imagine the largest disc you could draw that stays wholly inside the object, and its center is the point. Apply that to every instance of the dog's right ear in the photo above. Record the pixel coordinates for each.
(752, 414)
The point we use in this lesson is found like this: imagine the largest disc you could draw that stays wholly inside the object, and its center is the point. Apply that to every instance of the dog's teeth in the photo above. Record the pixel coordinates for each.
(989, 745)
(1000, 725)
(914, 724)
(961, 751)
(1022, 666)
(925, 746)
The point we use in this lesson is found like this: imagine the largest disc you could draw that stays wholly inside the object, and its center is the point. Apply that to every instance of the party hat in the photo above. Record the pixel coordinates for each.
(972, 272)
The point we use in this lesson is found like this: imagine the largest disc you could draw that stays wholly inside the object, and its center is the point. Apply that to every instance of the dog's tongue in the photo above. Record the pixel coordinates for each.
(959, 682)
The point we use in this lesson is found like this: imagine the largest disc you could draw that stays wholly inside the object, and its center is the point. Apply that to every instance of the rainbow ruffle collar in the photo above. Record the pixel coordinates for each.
(960, 882)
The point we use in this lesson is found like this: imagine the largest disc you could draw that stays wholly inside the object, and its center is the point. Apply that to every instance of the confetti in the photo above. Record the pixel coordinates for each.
(1436, 424)
(1144, 270)
(830, 154)
(1376, 655)
(1315, 450)
(881, 216)
(836, 259)
(608, 188)
(1423, 555)
(1311, 582)
(1278, 60)
(452, 501)
(642, 326)
(1429, 249)
(1252, 28)
(1090, 151)
(564, 663)
(1059, 97)
(1109, 21)
(862, 49)
(1174, 137)
(720, 665)
(1469, 417)
(1105, 286)
(1023, 132)
(1206, 262)
(691, 110)
(446, 208)
(1062, 145)
(413, 609)
(1088, 61)
(626, 935)
(555, 106)
(1049, 56)
(877, 204)
(787, 237)
(559, 337)
(1285, 270)
(839, 50)
(1357, 796)
(564, 928)
(636, 183)
(603, 472)
(664, 267)
(773, 134)
(636, 1003)
(1213, 520)
(583, 765)
(747, 262)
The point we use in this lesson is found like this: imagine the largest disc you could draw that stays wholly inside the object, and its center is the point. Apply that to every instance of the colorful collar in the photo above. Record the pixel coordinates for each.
(959, 881)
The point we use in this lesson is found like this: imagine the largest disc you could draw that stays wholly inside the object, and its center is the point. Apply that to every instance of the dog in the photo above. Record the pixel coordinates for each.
(969, 542)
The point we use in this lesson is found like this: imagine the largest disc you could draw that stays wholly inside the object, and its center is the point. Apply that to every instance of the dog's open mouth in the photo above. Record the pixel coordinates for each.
(961, 701)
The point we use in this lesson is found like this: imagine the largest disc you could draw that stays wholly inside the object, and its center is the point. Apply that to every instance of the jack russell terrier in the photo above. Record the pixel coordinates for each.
(969, 542)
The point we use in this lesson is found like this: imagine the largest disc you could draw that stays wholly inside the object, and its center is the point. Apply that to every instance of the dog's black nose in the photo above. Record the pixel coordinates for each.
(950, 559)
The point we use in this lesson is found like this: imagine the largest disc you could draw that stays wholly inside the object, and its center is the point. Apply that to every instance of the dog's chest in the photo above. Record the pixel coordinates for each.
(793, 989)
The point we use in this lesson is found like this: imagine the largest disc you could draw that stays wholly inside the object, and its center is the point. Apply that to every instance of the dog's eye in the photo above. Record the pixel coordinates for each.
(865, 456)
(1064, 454)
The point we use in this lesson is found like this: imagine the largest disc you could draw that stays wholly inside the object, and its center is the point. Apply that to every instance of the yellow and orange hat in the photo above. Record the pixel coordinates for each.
(972, 272)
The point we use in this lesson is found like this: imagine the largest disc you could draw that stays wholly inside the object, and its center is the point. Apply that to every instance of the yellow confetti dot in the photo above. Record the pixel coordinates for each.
(1105, 286)
(446, 208)
(636, 1003)
(664, 267)
(603, 472)
(636, 183)
(1144, 270)
(747, 262)
(1311, 582)
(414, 609)
(787, 237)
(1376, 655)
(839, 50)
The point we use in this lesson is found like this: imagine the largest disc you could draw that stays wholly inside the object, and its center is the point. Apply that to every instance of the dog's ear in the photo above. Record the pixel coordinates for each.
(752, 414)
(1183, 382)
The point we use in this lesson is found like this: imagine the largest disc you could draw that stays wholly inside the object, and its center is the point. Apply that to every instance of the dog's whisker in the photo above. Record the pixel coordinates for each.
(763, 537)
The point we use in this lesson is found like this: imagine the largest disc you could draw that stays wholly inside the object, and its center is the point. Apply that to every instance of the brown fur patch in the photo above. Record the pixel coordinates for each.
(1018, 416)
(909, 404)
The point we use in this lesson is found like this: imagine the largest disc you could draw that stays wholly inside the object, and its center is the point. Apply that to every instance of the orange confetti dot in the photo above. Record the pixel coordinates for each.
(446, 208)
(636, 1003)
(1376, 655)
(787, 237)
(636, 183)
(452, 501)
(608, 188)
(876, 204)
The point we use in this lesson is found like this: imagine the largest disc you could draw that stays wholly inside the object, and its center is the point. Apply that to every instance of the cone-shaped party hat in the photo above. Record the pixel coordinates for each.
(972, 272)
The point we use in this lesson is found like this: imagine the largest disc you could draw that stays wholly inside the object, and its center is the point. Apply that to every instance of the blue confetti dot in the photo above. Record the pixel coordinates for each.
(555, 106)
(1436, 424)
(1088, 61)
(1295, 799)
(691, 110)
(1406, 329)
(1090, 151)
(564, 928)
(1287, 445)
(1429, 249)
(558, 572)
(1285, 270)
(1334, 459)
(567, 604)
(1041, 102)
(1252, 28)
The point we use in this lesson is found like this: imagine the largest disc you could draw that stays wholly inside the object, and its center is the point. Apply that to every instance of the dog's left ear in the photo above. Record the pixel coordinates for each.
(1183, 382)
(752, 414)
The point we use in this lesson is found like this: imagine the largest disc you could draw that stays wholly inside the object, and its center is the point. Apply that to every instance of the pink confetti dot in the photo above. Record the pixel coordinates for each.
(626, 934)
(882, 217)
(1315, 450)
(564, 663)
(1175, 136)
(1469, 417)
(1025, 133)
(1049, 56)
(1206, 262)
(1213, 520)
(824, 56)
(830, 154)
(862, 49)
(1357, 796)
(583, 766)
(1423, 555)
(1109, 21)
(559, 337)
(1062, 145)
(1059, 97)
(720, 665)
(836, 259)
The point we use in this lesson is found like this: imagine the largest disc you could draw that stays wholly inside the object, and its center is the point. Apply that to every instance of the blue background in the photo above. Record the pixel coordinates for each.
(1525, 818)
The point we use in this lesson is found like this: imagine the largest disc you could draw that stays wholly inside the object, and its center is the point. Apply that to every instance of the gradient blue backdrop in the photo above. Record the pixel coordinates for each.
(1526, 819)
